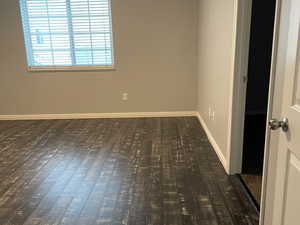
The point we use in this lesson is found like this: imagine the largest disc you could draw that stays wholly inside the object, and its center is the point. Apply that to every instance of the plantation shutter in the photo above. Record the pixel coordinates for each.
(67, 32)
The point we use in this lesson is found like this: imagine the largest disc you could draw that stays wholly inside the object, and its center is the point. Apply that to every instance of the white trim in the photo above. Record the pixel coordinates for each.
(70, 68)
(214, 144)
(238, 86)
(97, 115)
(125, 115)
(108, 39)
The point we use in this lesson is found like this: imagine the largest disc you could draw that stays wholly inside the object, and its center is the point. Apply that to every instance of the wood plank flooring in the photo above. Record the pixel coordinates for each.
(146, 171)
(254, 185)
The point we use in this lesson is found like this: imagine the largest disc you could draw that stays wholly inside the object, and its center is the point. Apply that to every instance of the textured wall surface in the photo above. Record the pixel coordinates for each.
(216, 27)
(156, 56)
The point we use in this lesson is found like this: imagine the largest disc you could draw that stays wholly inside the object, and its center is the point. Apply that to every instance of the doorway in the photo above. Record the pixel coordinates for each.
(260, 56)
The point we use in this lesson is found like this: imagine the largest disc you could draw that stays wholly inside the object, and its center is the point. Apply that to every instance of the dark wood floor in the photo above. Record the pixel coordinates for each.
(154, 171)
(254, 185)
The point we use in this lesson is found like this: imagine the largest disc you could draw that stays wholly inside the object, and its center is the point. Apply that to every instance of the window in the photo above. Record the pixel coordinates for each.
(67, 34)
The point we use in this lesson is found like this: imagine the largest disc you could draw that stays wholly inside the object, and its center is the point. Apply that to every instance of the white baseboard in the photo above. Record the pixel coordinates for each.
(213, 143)
(98, 115)
(124, 115)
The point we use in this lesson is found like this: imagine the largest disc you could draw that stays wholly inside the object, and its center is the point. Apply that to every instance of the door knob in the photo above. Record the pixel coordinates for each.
(275, 124)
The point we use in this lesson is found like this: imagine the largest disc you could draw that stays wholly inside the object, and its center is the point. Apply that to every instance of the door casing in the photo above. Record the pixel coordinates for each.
(238, 98)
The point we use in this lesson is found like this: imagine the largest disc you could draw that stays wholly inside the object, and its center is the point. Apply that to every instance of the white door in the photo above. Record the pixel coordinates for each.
(287, 189)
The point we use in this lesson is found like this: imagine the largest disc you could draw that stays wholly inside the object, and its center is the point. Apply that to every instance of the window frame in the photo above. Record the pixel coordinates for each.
(70, 68)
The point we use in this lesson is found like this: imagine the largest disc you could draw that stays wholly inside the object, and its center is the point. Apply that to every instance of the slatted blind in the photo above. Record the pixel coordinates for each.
(67, 32)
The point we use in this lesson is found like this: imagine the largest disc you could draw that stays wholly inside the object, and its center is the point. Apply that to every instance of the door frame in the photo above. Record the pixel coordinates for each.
(238, 98)
(238, 86)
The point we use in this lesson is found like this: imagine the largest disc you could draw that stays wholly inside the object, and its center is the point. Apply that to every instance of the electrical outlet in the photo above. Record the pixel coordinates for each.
(125, 96)
(209, 112)
(213, 116)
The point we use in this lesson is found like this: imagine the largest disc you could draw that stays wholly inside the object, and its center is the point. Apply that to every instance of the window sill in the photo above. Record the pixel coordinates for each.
(69, 68)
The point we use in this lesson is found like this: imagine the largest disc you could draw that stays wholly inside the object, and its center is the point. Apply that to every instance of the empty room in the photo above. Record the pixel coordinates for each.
(149, 112)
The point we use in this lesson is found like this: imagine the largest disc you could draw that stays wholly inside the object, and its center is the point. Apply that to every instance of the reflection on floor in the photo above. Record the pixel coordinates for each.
(254, 185)
(115, 171)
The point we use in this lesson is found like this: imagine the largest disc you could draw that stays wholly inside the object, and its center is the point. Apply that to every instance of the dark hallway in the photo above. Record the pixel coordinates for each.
(260, 56)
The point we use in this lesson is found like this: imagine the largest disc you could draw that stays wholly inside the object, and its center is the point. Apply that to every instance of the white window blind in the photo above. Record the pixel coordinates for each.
(67, 33)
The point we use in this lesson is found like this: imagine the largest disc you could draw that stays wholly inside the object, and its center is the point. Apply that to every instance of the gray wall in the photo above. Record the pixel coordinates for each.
(156, 59)
(216, 26)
